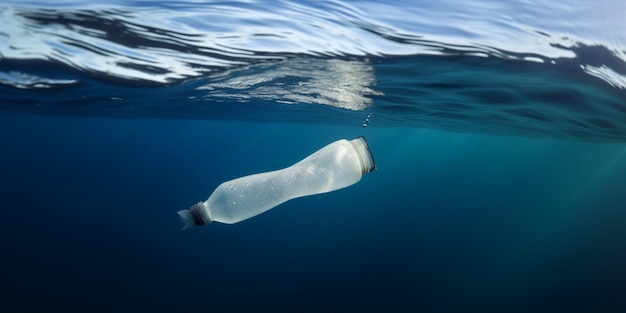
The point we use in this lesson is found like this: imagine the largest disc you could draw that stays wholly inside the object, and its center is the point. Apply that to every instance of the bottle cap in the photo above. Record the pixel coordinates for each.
(200, 214)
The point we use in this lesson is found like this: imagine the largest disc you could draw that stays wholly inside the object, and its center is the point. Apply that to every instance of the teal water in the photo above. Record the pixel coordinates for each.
(448, 221)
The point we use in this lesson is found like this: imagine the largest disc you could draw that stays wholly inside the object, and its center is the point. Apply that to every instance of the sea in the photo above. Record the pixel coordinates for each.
(498, 129)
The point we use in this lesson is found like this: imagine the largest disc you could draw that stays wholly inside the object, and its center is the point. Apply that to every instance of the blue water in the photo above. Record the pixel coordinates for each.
(498, 129)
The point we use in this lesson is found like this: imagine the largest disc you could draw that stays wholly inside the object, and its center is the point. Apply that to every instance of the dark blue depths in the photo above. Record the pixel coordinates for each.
(449, 222)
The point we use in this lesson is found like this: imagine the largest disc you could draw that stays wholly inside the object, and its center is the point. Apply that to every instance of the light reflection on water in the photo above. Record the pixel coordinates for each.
(337, 83)
(178, 40)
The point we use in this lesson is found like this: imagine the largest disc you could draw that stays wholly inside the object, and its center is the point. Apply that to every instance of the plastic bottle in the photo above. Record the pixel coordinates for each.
(335, 166)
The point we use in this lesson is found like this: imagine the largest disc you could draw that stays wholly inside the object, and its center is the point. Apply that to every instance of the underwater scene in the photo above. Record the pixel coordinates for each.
(491, 176)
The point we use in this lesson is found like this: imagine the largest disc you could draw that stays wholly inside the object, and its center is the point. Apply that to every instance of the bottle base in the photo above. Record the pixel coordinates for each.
(365, 154)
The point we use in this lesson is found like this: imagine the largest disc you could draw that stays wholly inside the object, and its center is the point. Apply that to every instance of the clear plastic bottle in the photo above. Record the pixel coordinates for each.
(335, 166)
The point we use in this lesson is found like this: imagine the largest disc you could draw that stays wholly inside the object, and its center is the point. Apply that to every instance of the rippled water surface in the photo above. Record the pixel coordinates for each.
(520, 68)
